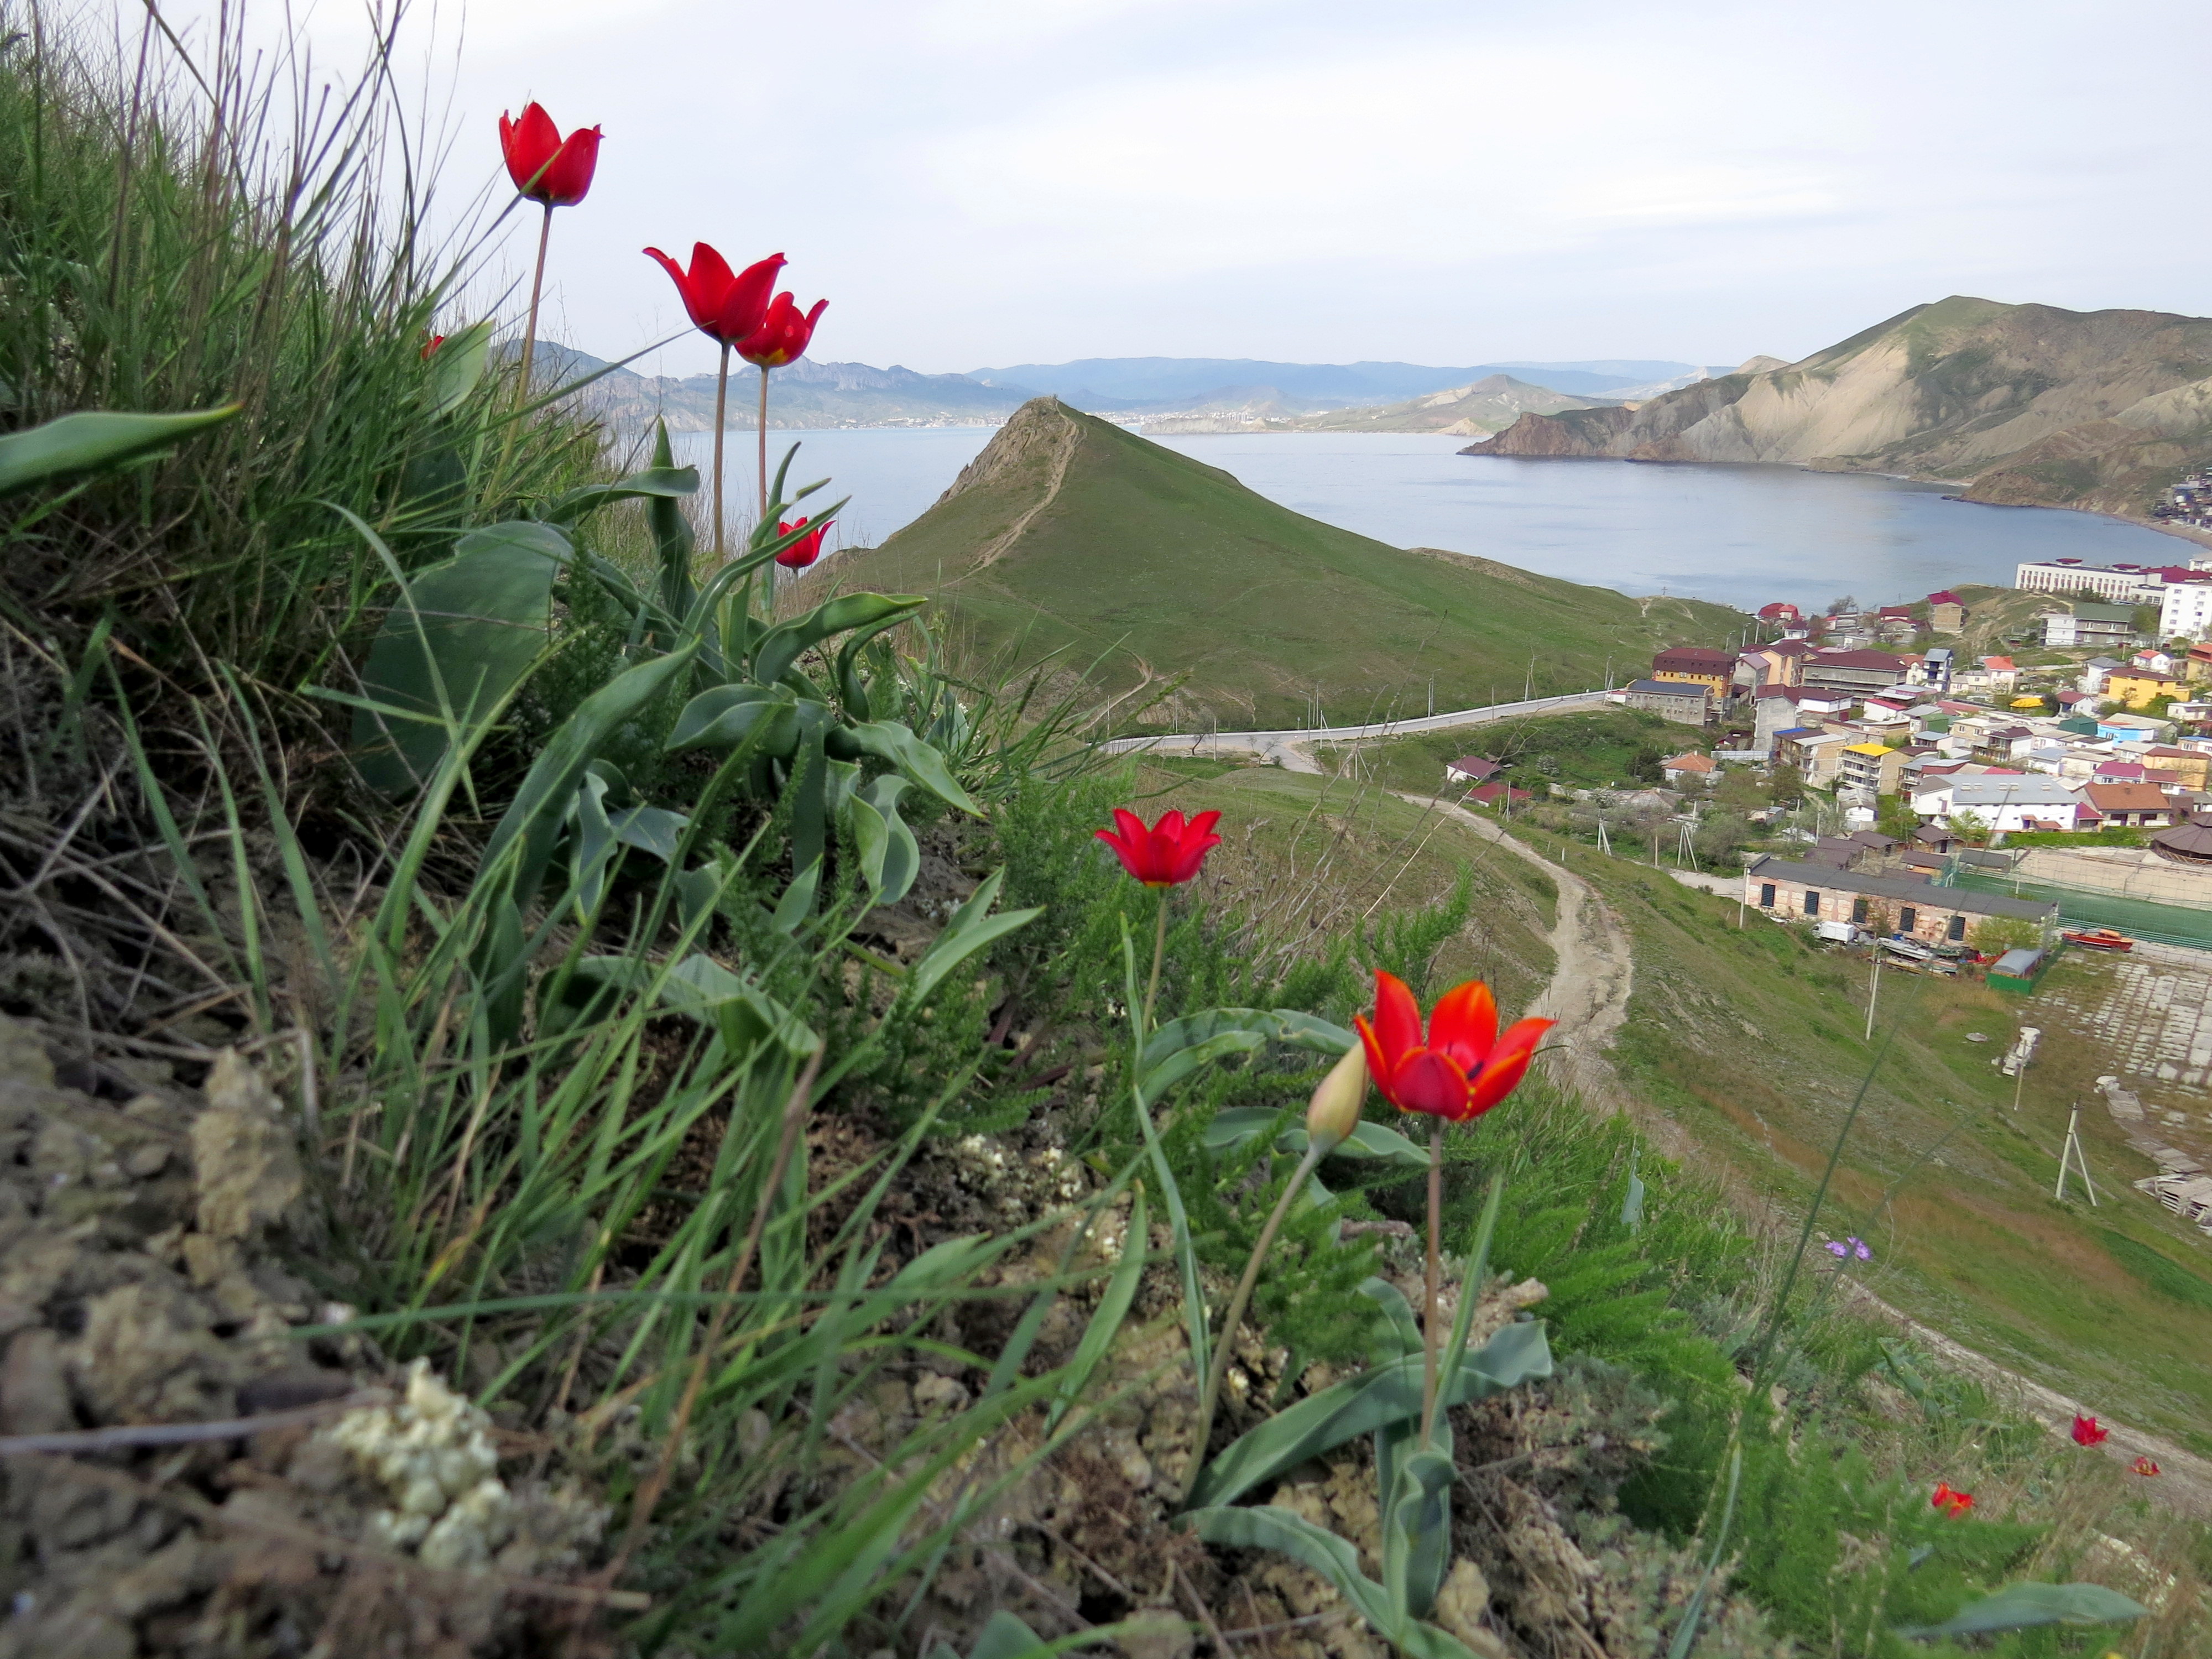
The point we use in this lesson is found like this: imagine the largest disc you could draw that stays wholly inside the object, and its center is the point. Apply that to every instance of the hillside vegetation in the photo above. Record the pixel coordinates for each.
(1068, 535)
(2025, 404)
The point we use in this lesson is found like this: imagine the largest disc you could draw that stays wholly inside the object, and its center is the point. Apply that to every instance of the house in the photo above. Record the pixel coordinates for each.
(1782, 612)
(1472, 769)
(2114, 584)
(1778, 708)
(2159, 661)
(1933, 669)
(1687, 701)
(1999, 803)
(1870, 766)
(2112, 769)
(1814, 753)
(1835, 853)
(1936, 838)
(1856, 671)
(1693, 664)
(2090, 627)
(1993, 676)
(2094, 671)
(1793, 652)
(1691, 768)
(1946, 614)
(2133, 728)
(1900, 906)
(1490, 794)
(2138, 687)
(2198, 663)
(2126, 805)
(2167, 764)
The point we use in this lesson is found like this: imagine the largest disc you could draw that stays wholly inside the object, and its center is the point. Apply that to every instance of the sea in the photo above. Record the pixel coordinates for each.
(1737, 535)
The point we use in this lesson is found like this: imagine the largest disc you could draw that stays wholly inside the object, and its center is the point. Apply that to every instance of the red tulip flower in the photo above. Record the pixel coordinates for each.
(1950, 1502)
(431, 345)
(1169, 853)
(2143, 1466)
(2087, 1433)
(1464, 1067)
(725, 306)
(782, 336)
(807, 548)
(545, 166)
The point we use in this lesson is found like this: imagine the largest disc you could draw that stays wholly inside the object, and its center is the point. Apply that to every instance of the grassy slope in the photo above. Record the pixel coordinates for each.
(1155, 562)
(1359, 850)
(1593, 749)
(1750, 1040)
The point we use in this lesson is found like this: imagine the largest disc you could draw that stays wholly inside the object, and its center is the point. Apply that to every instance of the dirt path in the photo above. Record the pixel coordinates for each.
(1592, 977)
(1588, 996)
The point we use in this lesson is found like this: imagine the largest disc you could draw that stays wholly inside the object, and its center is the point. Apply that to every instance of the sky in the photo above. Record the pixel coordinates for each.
(976, 183)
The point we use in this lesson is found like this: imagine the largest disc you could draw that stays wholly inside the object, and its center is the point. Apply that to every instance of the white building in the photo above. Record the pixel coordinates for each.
(2185, 611)
(2001, 803)
(2115, 584)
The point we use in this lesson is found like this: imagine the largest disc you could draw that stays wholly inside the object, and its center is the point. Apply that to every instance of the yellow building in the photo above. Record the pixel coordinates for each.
(1871, 766)
(1714, 670)
(2187, 766)
(2135, 688)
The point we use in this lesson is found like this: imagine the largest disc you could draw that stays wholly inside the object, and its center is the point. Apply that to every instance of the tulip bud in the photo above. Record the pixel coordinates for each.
(1333, 1112)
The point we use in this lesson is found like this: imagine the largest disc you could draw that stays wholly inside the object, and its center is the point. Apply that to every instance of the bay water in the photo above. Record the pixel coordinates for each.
(1738, 535)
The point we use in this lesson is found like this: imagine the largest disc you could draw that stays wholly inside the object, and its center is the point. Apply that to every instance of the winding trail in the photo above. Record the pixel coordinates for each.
(1288, 748)
(1588, 993)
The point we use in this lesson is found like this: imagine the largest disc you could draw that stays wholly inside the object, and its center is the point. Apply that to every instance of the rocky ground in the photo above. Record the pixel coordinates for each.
(199, 1459)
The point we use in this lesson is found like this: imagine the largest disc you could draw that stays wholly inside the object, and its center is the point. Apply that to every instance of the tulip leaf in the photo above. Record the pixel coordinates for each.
(971, 928)
(887, 740)
(2023, 1607)
(1265, 1527)
(93, 441)
(457, 367)
(532, 820)
(1183, 1046)
(1378, 1141)
(780, 646)
(1360, 1405)
(724, 716)
(1417, 1530)
(657, 484)
(890, 858)
(459, 638)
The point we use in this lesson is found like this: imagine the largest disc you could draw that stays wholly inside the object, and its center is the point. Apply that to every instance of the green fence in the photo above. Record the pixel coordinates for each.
(2159, 924)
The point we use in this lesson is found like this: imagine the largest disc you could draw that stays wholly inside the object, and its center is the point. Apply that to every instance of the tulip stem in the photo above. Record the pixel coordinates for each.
(1160, 949)
(721, 407)
(768, 606)
(1429, 1320)
(1225, 1345)
(537, 290)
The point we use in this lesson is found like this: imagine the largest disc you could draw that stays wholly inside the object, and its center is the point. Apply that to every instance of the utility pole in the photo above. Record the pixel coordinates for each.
(1874, 985)
(2071, 1153)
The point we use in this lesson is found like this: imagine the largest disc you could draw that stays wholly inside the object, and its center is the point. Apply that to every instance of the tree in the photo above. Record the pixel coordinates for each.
(1838, 607)
(1970, 828)
(1995, 935)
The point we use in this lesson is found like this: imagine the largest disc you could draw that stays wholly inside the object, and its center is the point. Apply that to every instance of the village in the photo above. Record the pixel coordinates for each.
(1948, 814)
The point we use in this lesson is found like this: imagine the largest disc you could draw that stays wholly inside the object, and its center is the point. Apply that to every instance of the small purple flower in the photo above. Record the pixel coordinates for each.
(1838, 1251)
(1859, 1249)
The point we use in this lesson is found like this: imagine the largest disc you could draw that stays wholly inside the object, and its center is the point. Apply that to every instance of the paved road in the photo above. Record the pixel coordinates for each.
(1291, 748)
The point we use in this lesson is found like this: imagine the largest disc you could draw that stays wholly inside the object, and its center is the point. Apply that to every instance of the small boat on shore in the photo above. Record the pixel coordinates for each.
(2098, 939)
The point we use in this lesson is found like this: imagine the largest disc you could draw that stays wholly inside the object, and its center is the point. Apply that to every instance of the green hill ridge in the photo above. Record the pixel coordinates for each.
(1068, 534)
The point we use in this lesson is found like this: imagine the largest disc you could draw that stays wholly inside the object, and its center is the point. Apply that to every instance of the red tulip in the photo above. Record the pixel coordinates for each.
(545, 166)
(782, 336)
(2087, 1433)
(431, 345)
(1949, 1502)
(727, 305)
(1464, 1068)
(1169, 853)
(807, 548)
(2143, 1466)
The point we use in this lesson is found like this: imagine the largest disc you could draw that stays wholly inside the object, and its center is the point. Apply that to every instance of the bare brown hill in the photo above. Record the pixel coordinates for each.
(2024, 405)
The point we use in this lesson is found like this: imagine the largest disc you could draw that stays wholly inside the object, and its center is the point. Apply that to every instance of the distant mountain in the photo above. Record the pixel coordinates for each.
(1140, 566)
(2022, 404)
(1491, 405)
(1115, 385)
(804, 394)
